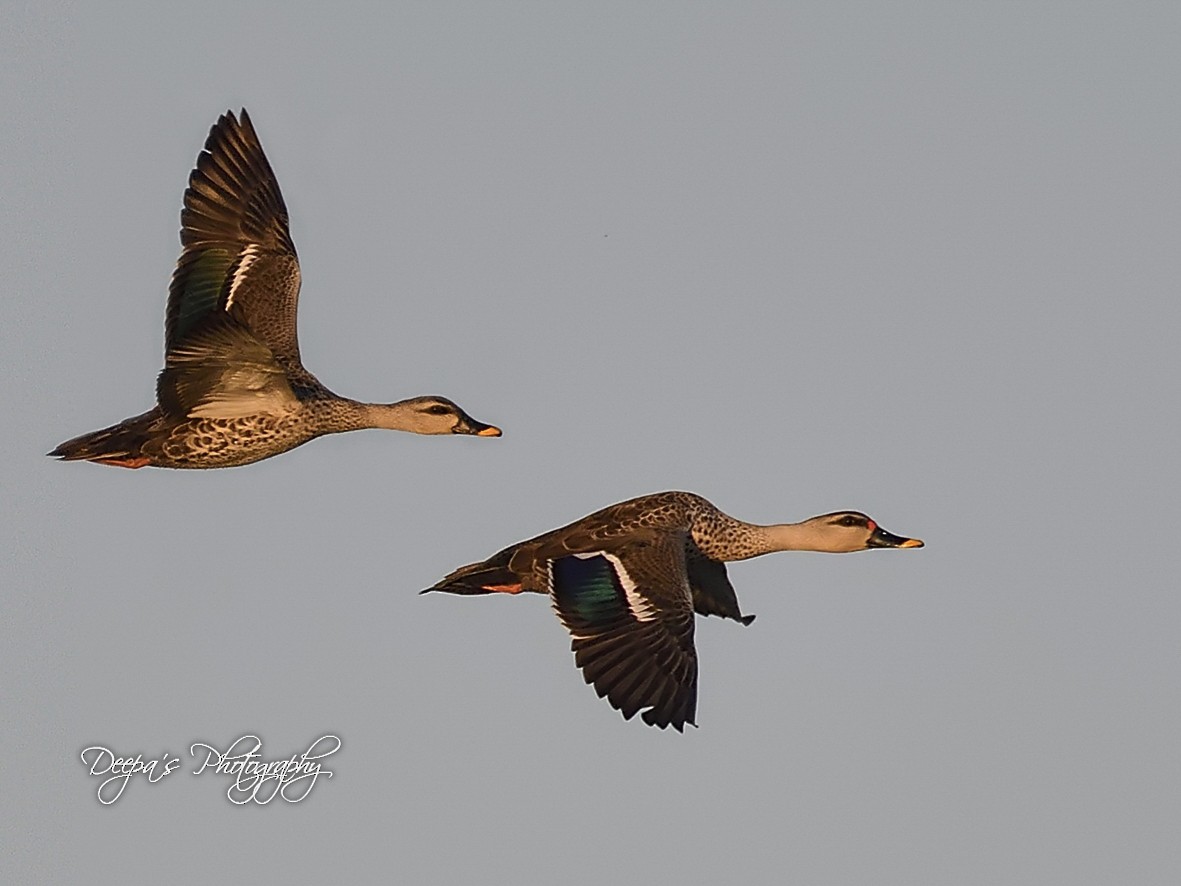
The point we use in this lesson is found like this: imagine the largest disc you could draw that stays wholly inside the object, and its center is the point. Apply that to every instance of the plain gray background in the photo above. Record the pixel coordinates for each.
(917, 259)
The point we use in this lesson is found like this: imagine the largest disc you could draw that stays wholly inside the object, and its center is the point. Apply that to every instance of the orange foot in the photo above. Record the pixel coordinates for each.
(126, 462)
(504, 589)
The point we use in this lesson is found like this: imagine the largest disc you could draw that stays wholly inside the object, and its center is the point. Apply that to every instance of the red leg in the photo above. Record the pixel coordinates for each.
(126, 461)
(504, 589)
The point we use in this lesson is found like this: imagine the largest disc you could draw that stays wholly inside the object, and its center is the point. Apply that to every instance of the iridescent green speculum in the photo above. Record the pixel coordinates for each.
(593, 592)
(203, 288)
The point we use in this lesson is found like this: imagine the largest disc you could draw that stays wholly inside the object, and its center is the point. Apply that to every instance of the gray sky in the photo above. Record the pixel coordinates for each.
(915, 259)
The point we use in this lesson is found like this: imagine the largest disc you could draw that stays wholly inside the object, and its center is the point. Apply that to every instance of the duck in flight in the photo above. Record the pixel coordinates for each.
(233, 389)
(626, 581)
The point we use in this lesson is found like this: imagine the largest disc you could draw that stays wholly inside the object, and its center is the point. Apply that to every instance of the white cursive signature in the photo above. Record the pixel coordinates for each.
(260, 781)
(255, 780)
(103, 761)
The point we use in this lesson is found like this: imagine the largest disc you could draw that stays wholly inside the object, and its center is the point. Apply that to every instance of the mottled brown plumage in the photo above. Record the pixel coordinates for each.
(625, 582)
(233, 389)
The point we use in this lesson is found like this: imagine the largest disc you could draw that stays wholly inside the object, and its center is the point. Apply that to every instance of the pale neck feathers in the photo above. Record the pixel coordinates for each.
(725, 538)
(351, 415)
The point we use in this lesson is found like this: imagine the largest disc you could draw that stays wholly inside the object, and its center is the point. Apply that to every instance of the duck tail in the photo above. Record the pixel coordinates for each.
(492, 576)
(120, 444)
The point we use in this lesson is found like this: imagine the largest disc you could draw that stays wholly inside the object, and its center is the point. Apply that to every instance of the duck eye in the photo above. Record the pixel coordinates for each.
(438, 409)
(849, 520)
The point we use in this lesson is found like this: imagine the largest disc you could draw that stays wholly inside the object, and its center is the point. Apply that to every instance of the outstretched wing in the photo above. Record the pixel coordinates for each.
(629, 613)
(237, 248)
(712, 592)
(222, 370)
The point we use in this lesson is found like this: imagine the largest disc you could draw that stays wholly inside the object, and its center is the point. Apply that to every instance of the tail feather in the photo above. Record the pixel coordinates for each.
(119, 443)
(488, 577)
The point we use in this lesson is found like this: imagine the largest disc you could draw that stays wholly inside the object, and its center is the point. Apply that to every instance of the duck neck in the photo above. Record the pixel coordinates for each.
(341, 415)
(735, 540)
(788, 537)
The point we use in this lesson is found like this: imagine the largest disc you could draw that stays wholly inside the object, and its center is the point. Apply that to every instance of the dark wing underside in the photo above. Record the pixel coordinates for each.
(629, 613)
(237, 248)
(712, 592)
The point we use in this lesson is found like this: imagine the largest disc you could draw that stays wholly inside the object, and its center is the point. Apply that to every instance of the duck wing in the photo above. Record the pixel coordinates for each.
(222, 370)
(712, 592)
(236, 246)
(629, 612)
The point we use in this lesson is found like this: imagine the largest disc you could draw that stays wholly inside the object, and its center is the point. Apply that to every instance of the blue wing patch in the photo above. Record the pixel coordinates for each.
(587, 591)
